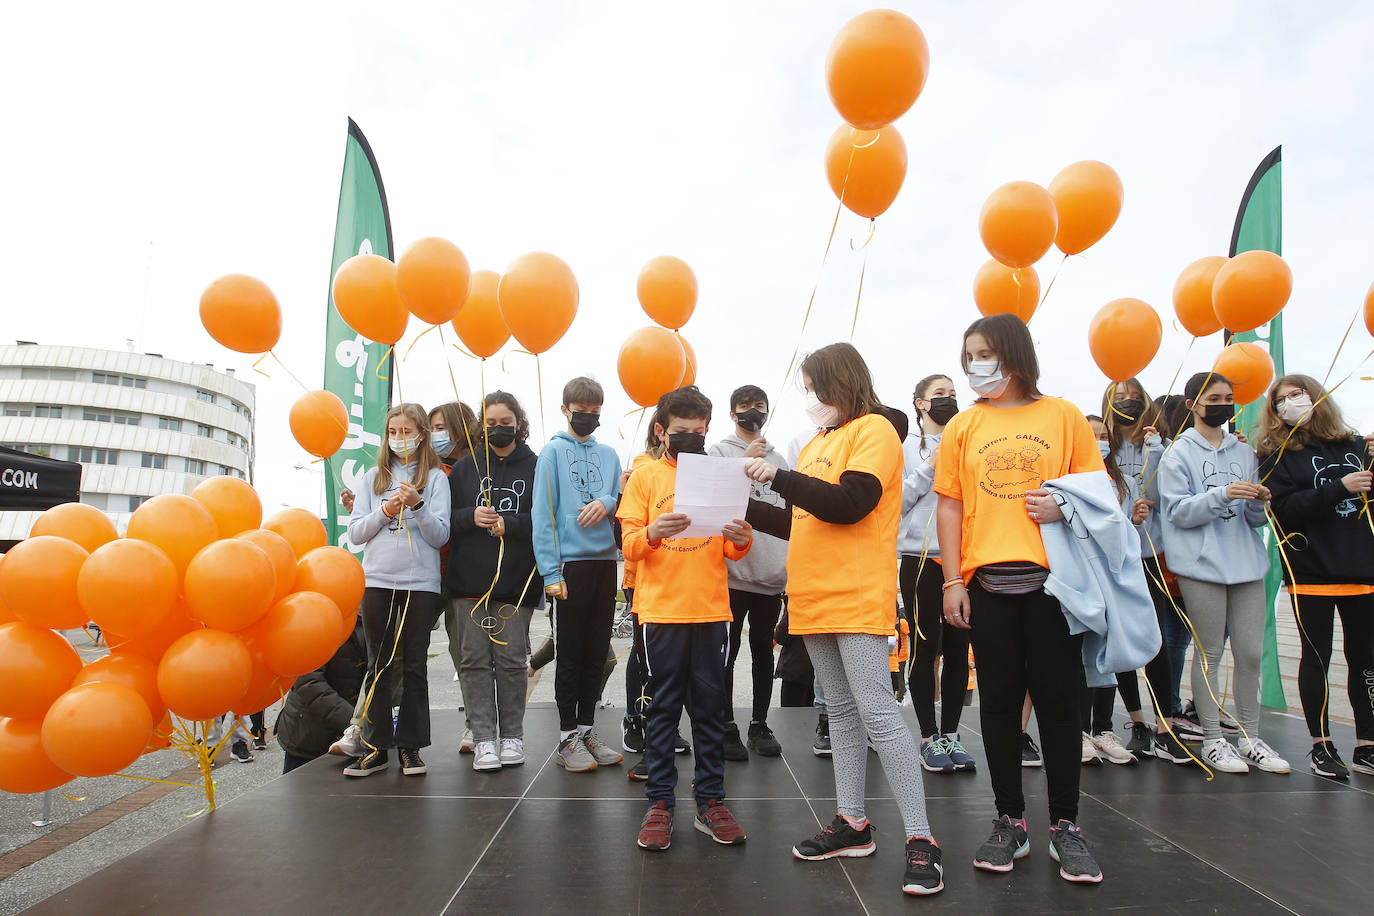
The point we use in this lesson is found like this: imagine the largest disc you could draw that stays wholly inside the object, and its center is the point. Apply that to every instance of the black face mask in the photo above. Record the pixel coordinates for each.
(686, 444)
(751, 420)
(942, 410)
(500, 436)
(1215, 415)
(583, 423)
(1129, 410)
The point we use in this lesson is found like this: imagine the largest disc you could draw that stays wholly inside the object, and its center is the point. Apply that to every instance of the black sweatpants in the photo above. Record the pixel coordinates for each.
(686, 664)
(1022, 644)
(1159, 671)
(1316, 616)
(581, 636)
(636, 681)
(762, 612)
(384, 611)
(1095, 705)
(923, 603)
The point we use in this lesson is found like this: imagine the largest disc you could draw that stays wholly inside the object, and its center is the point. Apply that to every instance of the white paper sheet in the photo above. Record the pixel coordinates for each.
(710, 491)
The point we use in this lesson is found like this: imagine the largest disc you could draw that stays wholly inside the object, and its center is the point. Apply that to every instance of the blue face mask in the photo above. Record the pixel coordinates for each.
(441, 443)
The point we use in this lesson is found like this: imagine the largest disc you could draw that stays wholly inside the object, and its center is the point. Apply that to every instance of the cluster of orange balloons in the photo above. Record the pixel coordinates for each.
(206, 609)
(1236, 294)
(655, 360)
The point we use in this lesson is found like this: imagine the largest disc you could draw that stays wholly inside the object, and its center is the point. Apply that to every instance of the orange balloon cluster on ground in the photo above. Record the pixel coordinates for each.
(204, 612)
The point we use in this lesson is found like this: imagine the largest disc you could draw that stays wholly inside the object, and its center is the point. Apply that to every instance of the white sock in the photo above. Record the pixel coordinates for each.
(564, 736)
(953, 736)
(583, 729)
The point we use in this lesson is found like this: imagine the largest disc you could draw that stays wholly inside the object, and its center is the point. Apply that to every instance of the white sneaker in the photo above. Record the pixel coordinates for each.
(512, 752)
(1263, 756)
(350, 744)
(1220, 755)
(465, 743)
(1090, 757)
(486, 758)
(1111, 747)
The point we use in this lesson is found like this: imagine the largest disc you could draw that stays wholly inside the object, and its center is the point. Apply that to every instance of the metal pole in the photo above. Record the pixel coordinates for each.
(45, 817)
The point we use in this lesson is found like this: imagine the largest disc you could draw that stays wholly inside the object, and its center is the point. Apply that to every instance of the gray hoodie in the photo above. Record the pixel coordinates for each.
(918, 498)
(401, 553)
(1207, 536)
(763, 570)
(1140, 463)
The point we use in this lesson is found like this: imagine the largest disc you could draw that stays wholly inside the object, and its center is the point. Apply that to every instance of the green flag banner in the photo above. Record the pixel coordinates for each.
(1259, 226)
(351, 361)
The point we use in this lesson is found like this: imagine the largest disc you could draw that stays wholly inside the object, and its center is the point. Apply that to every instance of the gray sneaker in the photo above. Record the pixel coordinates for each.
(1070, 849)
(573, 756)
(603, 754)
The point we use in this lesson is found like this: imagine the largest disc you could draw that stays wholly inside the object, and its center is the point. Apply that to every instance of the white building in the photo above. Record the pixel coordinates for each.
(139, 424)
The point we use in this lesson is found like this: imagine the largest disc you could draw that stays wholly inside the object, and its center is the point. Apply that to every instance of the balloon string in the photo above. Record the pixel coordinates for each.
(862, 271)
(620, 431)
(464, 352)
(417, 340)
(1052, 279)
(1296, 426)
(257, 362)
(467, 433)
(1279, 540)
(872, 228)
(508, 353)
(273, 354)
(382, 362)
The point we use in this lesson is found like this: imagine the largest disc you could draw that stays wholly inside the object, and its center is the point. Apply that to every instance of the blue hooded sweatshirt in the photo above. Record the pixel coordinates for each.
(568, 476)
(1207, 536)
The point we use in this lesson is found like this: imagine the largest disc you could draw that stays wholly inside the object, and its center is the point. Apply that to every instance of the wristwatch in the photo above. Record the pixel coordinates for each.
(418, 506)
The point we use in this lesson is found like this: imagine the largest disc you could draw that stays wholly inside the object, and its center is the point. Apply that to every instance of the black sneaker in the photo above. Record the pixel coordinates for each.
(640, 771)
(411, 764)
(1142, 742)
(1030, 752)
(821, 746)
(924, 874)
(680, 745)
(260, 743)
(1007, 843)
(374, 762)
(734, 748)
(632, 734)
(1362, 761)
(1327, 762)
(835, 841)
(1070, 849)
(762, 740)
(1169, 748)
(239, 751)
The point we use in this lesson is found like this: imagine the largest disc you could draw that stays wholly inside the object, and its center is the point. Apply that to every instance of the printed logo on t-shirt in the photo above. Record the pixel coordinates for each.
(1012, 465)
(1326, 473)
(1214, 477)
(585, 473)
(503, 499)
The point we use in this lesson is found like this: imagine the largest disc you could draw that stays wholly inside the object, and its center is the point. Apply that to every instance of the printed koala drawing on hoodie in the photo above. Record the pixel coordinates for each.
(1326, 473)
(585, 474)
(503, 499)
(1214, 478)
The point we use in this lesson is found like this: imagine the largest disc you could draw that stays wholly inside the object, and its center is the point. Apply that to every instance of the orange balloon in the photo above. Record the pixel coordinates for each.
(667, 291)
(86, 525)
(432, 278)
(651, 364)
(1018, 223)
(876, 68)
(176, 624)
(38, 582)
(133, 671)
(689, 374)
(229, 584)
(299, 528)
(264, 686)
(1250, 289)
(203, 673)
(178, 524)
(161, 738)
(1369, 309)
(334, 573)
(97, 729)
(1248, 367)
(24, 765)
(1123, 337)
(6, 615)
(350, 621)
(368, 301)
(479, 325)
(1193, 296)
(866, 168)
(231, 502)
(128, 586)
(319, 421)
(998, 288)
(299, 634)
(1087, 197)
(36, 666)
(538, 299)
(282, 556)
(241, 313)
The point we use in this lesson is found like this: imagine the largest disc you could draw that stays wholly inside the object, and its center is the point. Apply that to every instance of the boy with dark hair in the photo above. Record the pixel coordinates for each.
(576, 486)
(756, 581)
(683, 605)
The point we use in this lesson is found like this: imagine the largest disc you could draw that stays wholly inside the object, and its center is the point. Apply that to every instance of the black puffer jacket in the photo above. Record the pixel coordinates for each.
(319, 705)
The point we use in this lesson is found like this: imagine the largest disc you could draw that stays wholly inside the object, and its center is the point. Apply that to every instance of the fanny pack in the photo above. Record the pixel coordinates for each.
(1012, 578)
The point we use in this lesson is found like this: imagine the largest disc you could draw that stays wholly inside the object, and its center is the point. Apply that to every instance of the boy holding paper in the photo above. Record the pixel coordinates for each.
(682, 602)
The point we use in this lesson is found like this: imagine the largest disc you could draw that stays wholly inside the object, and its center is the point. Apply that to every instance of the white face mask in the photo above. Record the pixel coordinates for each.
(404, 448)
(1104, 447)
(1294, 411)
(822, 415)
(985, 377)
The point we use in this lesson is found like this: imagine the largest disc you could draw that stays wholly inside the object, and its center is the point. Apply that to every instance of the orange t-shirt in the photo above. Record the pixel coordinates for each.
(991, 456)
(902, 651)
(843, 578)
(680, 580)
(627, 579)
(1330, 591)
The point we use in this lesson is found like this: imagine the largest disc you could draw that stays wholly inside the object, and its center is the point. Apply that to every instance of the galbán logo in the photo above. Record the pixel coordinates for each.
(1011, 466)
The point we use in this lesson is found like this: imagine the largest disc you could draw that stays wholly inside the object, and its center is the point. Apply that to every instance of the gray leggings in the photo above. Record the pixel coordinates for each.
(853, 668)
(1218, 611)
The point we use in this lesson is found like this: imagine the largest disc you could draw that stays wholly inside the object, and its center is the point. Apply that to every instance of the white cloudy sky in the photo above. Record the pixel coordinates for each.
(151, 147)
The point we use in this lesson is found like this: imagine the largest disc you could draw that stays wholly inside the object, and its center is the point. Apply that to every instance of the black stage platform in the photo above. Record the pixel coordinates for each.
(534, 838)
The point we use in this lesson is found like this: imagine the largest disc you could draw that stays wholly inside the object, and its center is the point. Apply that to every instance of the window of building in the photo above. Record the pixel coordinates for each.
(169, 423)
(14, 410)
(44, 451)
(206, 431)
(157, 462)
(136, 501)
(88, 455)
(226, 471)
(196, 467)
(206, 396)
(48, 410)
(95, 416)
(126, 419)
(104, 378)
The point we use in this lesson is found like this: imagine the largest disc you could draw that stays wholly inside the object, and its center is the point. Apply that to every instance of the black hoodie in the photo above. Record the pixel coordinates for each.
(473, 551)
(1336, 545)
